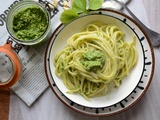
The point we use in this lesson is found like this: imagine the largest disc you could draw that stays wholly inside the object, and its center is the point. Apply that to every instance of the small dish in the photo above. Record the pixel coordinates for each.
(133, 86)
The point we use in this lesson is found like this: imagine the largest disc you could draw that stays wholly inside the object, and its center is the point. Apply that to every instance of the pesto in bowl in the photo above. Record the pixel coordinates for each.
(28, 22)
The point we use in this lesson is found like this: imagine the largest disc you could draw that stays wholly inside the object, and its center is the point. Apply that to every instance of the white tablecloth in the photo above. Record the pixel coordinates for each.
(48, 106)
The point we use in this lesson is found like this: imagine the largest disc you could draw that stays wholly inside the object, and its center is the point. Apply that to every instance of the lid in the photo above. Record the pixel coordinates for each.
(10, 66)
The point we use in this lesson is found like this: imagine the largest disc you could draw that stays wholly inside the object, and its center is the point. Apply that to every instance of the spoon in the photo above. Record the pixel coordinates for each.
(154, 36)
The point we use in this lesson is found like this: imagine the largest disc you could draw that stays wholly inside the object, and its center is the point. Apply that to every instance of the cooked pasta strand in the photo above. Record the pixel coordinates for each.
(120, 58)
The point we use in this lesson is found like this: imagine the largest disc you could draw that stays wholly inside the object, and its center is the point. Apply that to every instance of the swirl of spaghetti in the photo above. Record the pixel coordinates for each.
(116, 61)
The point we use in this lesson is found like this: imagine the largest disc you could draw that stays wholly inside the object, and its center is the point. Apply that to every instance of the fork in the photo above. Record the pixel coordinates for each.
(154, 36)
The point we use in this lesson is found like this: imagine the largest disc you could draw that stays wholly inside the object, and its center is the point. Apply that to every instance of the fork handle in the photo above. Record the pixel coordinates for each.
(128, 10)
(148, 31)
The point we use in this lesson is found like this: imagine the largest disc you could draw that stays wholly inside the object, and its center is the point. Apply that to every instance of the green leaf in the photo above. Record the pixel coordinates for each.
(68, 15)
(95, 4)
(79, 6)
(76, 8)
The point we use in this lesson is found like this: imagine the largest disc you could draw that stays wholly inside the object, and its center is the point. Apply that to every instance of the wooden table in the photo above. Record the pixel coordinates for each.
(4, 103)
(153, 9)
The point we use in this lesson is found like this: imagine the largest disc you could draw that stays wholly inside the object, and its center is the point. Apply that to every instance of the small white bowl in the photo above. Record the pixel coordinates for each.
(133, 86)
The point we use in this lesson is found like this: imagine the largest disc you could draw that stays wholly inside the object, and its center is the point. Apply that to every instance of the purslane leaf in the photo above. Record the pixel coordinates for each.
(68, 15)
(76, 8)
(95, 4)
(79, 5)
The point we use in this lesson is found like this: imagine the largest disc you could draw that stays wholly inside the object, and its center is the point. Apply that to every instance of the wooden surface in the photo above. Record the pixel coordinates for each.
(4, 103)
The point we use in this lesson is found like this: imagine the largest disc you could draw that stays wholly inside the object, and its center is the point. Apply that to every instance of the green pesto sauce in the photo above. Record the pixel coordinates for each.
(30, 23)
(93, 60)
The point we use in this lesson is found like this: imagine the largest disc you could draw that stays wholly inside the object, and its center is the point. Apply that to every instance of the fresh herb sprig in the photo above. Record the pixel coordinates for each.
(79, 6)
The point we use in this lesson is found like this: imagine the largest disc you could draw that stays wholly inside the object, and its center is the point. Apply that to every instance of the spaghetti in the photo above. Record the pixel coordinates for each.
(118, 59)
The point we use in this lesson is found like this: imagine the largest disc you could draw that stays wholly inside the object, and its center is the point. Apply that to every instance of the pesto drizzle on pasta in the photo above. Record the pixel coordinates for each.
(120, 58)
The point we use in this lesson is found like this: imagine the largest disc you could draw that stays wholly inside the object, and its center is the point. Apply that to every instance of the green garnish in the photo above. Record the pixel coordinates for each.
(79, 6)
(95, 4)
(68, 15)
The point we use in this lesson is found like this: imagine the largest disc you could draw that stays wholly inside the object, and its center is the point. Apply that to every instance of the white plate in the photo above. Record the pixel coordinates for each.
(133, 87)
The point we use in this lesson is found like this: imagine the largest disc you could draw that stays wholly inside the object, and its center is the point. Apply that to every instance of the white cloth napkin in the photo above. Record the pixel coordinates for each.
(113, 5)
(48, 106)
